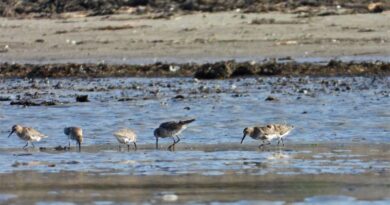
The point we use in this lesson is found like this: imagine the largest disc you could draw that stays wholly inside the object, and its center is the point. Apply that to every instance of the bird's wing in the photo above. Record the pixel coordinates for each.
(172, 125)
(184, 122)
(282, 129)
(267, 130)
(33, 133)
(125, 133)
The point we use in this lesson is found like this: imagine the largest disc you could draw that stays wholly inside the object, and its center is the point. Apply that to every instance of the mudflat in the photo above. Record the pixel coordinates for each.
(297, 173)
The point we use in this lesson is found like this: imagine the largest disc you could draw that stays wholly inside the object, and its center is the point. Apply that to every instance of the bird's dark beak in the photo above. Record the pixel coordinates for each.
(243, 138)
(11, 133)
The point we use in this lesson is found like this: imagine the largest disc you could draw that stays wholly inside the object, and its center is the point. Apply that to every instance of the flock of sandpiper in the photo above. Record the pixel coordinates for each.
(167, 129)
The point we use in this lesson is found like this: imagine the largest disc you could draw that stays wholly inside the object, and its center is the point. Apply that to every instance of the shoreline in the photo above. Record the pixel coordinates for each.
(253, 146)
(166, 8)
(217, 70)
(196, 37)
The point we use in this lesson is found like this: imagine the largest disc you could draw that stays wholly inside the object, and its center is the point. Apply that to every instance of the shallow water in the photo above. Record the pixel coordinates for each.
(294, 160)
(341, 128)
(350, 111)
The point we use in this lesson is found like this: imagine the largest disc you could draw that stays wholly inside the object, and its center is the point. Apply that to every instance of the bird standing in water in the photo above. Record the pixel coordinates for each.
(126, 136)
(27, 134)
(171, 129)
(74, 133)
(267, 133)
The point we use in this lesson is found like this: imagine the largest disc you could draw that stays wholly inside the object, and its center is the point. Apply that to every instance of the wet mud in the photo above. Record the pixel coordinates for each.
(218, 70)
(298, 174)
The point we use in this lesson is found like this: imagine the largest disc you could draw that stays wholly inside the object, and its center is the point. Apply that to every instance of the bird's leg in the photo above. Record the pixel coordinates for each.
(128, 147)
(25, 145)
(171, 148)
(261, 145)
(68, 143)
(156, 142)
(135, 146)
(278, 141)
(178, 139)
(32, 144)
(79, 146)
(172, 145)
(282, 142)
(119, 147)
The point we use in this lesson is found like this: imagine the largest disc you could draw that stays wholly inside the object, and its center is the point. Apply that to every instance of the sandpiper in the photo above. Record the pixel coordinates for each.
(267, 133)
(171, 129)
(126, 136)
(74, 133)
(27, 134)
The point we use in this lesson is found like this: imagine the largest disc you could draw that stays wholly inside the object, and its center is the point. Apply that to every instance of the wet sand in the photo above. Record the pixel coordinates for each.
(198, 37)
(30, 186)
(67, 186)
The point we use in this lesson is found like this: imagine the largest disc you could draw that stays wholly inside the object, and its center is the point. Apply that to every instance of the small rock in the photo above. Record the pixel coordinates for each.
(217, 70)
(32, 103)
(58, 85)
(23, 154)
(2, 98)
(262, 21)
(286, 58)
(271, 98)
(174, 68)
(60, 148)
(82, 98)
(73, 162)
(179, 97)
(363, 30)
(125, 99)
(170, 197)
(375, 7)
(289, 42)
(304, 91)
(16, 164)
(74, 42)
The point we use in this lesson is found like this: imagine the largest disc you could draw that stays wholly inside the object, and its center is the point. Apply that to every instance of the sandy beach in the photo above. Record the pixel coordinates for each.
(197, 37)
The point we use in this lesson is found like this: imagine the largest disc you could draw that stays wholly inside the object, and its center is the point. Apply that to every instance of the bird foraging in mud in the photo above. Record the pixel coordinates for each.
(126, 136)
(27, 134)
(171, 129)
(268, 133)
(74, 133)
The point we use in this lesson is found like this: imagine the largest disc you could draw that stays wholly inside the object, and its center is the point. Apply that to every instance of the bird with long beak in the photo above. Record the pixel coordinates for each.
(74, 133)
(171, 129)
(27, 134)
(267, 133)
